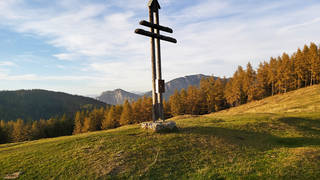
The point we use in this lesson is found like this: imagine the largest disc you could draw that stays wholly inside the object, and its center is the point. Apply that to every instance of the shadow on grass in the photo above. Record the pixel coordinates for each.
(305, 125)
(259, 141)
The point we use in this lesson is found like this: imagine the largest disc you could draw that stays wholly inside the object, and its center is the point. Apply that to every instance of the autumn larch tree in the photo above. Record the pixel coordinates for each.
(19, 133)
(137, 111)
(176, 103)
(110, 120)
(314, 63)
(126, 115)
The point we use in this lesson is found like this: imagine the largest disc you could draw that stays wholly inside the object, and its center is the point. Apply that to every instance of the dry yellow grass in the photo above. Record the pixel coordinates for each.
(302, 100)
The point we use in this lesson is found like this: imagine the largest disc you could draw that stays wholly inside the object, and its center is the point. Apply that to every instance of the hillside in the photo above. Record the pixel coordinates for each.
(305, 100)
(276, 138)
(119, 96)
(181, 83)
(36, 104)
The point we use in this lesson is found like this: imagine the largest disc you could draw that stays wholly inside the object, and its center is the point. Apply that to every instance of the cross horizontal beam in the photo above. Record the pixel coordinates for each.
(153, 35)
(156, 26)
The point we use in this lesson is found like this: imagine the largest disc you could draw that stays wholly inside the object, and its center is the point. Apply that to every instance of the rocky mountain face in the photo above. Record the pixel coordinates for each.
(179, 84)
(119, 96)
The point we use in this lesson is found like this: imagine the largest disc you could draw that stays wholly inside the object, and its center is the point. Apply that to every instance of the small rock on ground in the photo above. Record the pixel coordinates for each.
(13, 175)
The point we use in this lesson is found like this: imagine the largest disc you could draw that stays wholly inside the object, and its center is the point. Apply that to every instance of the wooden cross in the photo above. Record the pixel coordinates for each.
(158, 85)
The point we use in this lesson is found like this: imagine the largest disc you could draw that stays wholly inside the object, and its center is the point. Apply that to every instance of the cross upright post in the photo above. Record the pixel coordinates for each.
(159, 74)
(155, 109)
(158, 85)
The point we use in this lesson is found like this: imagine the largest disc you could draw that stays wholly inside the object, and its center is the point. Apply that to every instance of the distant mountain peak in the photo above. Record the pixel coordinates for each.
(120, 90)
(118, 96)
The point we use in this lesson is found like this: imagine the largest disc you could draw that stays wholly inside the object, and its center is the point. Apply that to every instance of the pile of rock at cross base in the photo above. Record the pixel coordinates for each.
(160, 126)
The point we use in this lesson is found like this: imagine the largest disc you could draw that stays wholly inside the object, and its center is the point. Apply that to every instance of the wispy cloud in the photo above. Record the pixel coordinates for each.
(34, 77)
(7, 63)
(66, 56)
(315, 21)
(214, 37)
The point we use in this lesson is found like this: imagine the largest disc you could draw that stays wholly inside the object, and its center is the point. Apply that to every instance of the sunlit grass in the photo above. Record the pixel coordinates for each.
(262, 140)
(303, 100)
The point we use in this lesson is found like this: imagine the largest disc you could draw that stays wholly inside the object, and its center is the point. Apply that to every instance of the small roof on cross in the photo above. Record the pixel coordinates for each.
(154, 4)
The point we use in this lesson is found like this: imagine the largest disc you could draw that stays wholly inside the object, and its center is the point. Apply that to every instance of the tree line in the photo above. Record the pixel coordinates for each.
(278, 75)
(19, 130)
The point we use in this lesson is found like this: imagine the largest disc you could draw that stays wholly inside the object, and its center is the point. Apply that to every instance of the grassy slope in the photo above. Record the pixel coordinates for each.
(278, 137)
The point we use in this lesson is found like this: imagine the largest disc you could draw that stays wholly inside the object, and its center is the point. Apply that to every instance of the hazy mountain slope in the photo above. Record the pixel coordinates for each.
(250, 145)
(36, 104)
(117, 96)
(181, 83)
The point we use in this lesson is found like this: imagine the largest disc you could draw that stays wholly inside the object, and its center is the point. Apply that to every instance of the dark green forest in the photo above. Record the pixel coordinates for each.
(32, 105)
(276, 76)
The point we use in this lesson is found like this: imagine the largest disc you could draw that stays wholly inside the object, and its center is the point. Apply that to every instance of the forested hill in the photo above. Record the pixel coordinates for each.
(36, 104)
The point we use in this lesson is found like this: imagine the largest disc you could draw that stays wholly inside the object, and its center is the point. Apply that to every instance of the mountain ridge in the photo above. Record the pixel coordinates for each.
(38, 104)
(118, 96)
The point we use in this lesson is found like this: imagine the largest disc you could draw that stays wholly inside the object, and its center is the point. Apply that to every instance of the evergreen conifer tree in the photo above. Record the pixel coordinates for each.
(2, 136)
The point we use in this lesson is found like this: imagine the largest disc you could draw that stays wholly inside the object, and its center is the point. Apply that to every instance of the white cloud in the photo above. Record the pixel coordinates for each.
(34, 77)
(7, 11)
(214, 36)
(7, 63)
(66, 56)
(205, 9)
(315, 21)
(235, 39)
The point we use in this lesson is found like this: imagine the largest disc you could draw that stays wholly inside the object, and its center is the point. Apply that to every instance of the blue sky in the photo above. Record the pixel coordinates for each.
(88, 46)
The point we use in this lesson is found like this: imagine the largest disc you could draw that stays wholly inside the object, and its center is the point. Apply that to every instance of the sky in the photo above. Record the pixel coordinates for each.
(86, 47)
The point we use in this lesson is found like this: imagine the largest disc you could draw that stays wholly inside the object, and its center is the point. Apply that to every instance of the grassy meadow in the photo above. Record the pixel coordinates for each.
(276, 138)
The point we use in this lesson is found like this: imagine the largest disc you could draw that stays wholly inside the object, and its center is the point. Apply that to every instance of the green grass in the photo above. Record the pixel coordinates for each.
(276, 138)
